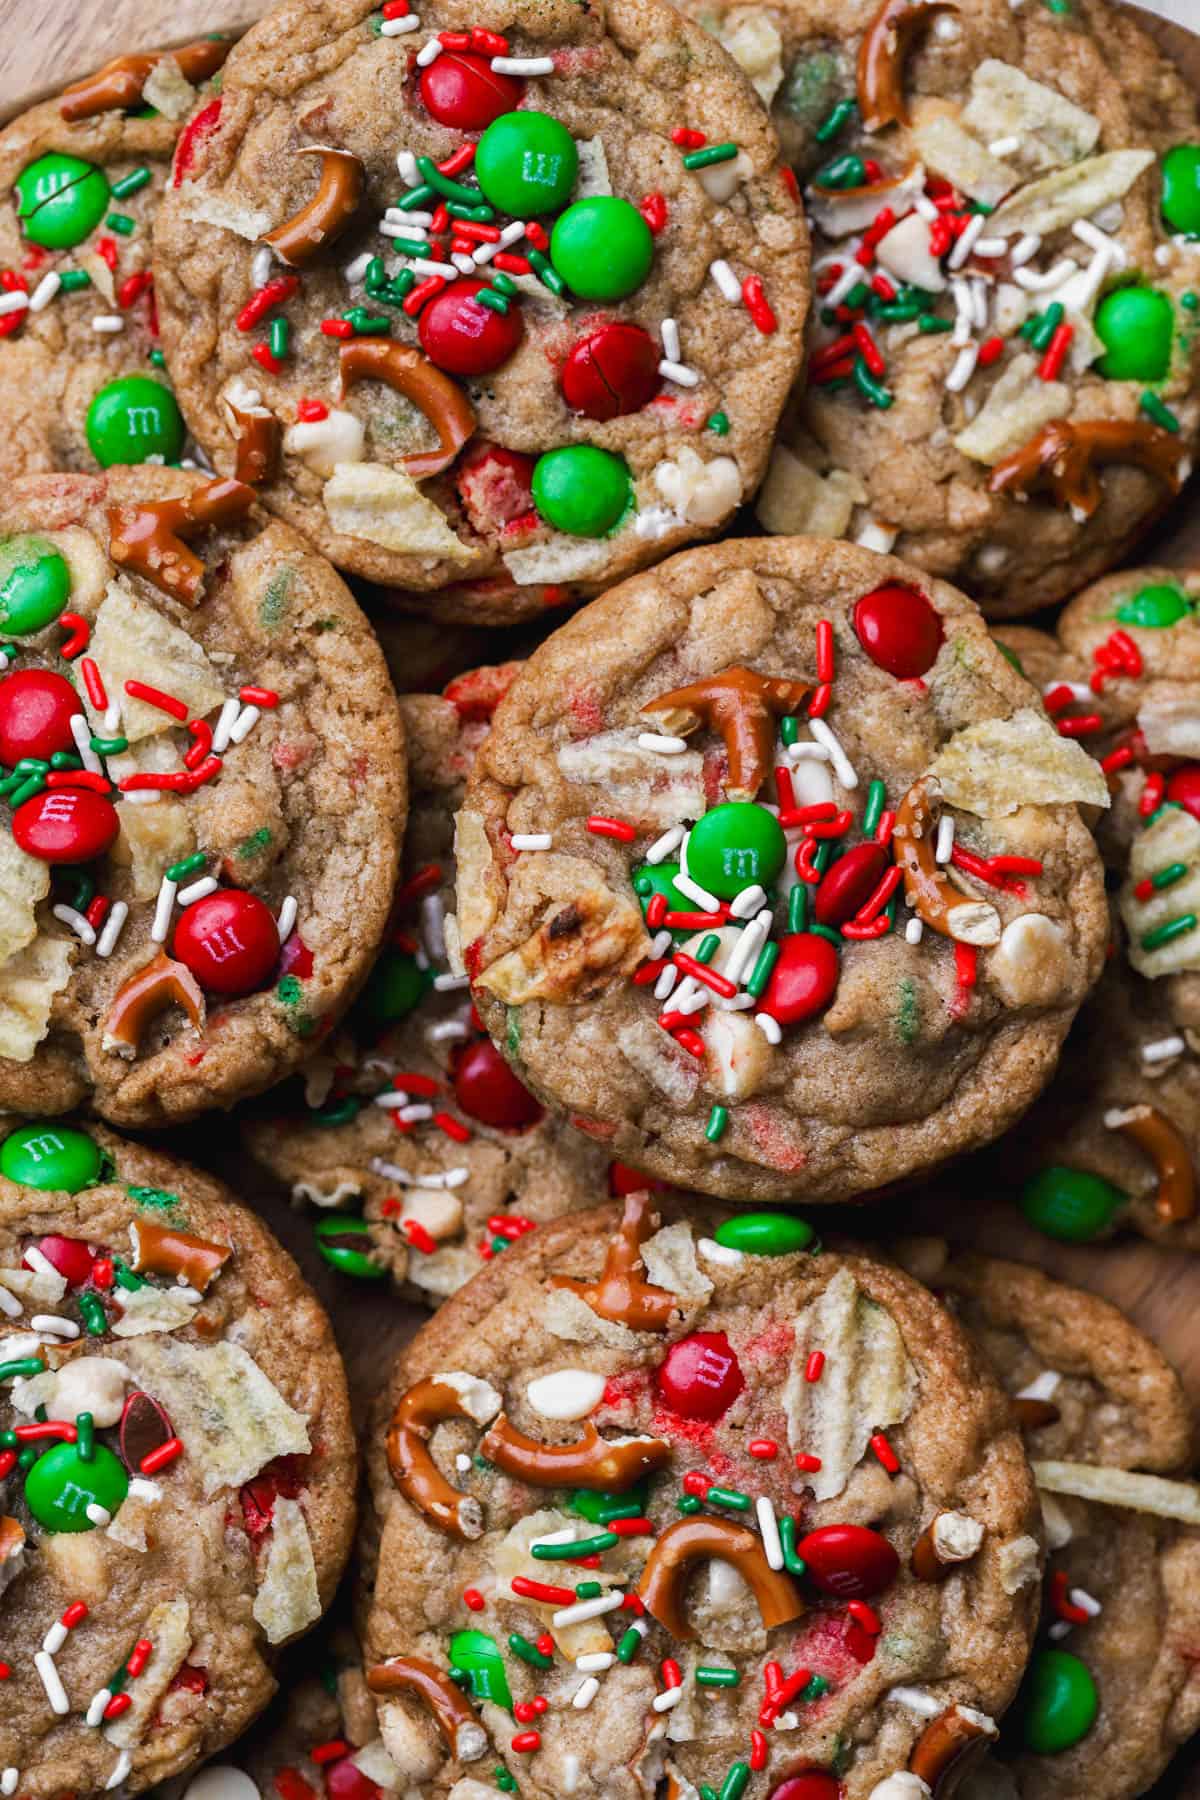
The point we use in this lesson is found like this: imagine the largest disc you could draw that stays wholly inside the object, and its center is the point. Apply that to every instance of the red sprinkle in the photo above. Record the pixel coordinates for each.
(758, 1750)
(452, 1127)
(1083, 726)
(97, 911)
(79, 635)
(630, 1527)
(764, 1449)
(106, 249)
(672, 1674)
(653, 208)
(201, 731)
(758, 306)
(537, 235)
(474, 1599)
(512, 265)
(139, 1656)
(336, 1748)
(1152, 795)
(262, 356)
(424, 290)
(695, 921)
(869, 350)
(599, 826)
(542, 1591)
(966, 970)
(687, 139)
(139, 690)
(79, 778)
(418, 1237)
(814, 1366)
(311, 410)
(818, 706)
(698, 1483)
(132, 288)
(75, 1614)
(120, 1703)
(93, 681)
(1051, 364)
(990, 352)
(455, 163)
(656, 911)
(807, 1464)
(1064, 1607)
(159, 1458)
(526, 1742)
(720, 984)
(649, 972)
(879, 1443)
(275, 293)
(259, 696)
(1117, 759)
(342, 328)
(545, 1644)
(868, 1619)
(824, 650)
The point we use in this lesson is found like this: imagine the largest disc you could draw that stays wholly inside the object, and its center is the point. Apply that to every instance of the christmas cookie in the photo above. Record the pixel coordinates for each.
(202, 786)
(1112, 1688)
(684, 1506)
(414, 1120)
(176, 1463)
(688, 842)
(82, 381)
(1004, 376)
(514, 293)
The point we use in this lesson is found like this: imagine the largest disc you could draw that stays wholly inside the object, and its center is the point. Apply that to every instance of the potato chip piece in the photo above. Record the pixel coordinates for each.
(42, 1287)
(385, 506)
(1015, 410)
(1170, 724)
(168, 90)
(233, 1420)
(659, 1060)
(840, 211)
(651, 791)
(168, 1628)
(794, 501)
(569, 1317)
(1122, 1487)
(152, 838)
(1057, 200)
(702, 492)
(132, 640)
(1005, 102)
(1000, 765)
(561, 559)
(473, 857)
(670, 1259)
(148, 1309)
(288, 1599)
(31, 979)
(753, 41)
(1019, 1563)
(869, 1382)
(513, 1556)
(245, 221)
(1174, 837)
(951, 152)
(23, 882)
(580, 931)
(326, 444)
(905, 253)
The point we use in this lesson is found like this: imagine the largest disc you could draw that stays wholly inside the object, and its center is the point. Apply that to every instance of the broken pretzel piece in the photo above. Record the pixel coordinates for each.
(664, 1578)
(161, 983)
(742, 707)
(407, 372)
(1063, 458)
(882, 56)
(927, 887)
(622, 1292)
(148, 538)
(592, 1463)
(119, 83)
(323, 219)
(425, 1406)
(1165, 1144)
(464, 1736)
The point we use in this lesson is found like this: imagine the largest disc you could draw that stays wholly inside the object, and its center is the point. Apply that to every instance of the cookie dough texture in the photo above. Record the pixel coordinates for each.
(965, 1640)
(231, 1549)
(625, 76)
(1120, 1404)
(528, 1174)
(310, 804)
(902, 1069)
(1007, 105)
(55, 362)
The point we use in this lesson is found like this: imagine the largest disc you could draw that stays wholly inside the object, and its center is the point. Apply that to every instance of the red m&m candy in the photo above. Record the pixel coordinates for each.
(70, 1256)
(66, 825)
(701, 1377)
(464, 91)
(811, 1784)
(850, 883)
(465, 338)
(850, 1561)
(804, 979)
(229, 941)
(611, 372)
(343, 1781)
(1184, 788)
(899, 630)
(486, 1088)
(36, 707)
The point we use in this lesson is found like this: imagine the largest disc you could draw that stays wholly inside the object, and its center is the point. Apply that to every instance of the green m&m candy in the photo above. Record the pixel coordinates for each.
(765, 1234)
(55, 1157)
(477, 1655)
(35, 585)
(1058, 1703)
(132, 419)
(1135, 325)
(582, 490)
(1181, 189)
(61, 1486)
(526, 164)
(1072, 1205)
(659, 878)
(602, 248)
(396, 986)
(344, 1245)
(1156, 607)
(61, 200)
(734, 846)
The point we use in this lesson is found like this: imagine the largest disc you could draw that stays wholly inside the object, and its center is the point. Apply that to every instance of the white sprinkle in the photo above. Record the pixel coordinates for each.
(967, 242)
(768, 1526)
(1035, 283)
(924, 206)
(464, 264)
(392, 1100)
(745, 951)
(1087, 1602)
(44, 292)
(585, 1609)
(1025, 249)
(1004, 146)
(595, 1661)
(1079, 689)
(993, 246)
(704, 900)
(398, 27)
(39, 1262)
(1042, 1387)
(1059, 1629)
(149, 1491)
(15, 302)
(81, 732)
(945, 838)
(660, 944)
(726, 280)
(99, 1515)
(877, 537)
(415, 1114)
(226, 719)
(670, 339)
(108, 323)
(56, 1693)
(585, 1693)
(427, 54)
(261, 264)
(448, 1031)
(662, 742)
(511, 232)
(963, 369)
(424, 265)
(244, 724)
(523, 65)
(532, 840)
(9, 1304)
(662, 847)
(713, 1252)
(450, 984)
(55, 1638)
(665, 984)
(980, 299)
(679, 373)
(848, 279)
(285, 924)
(746, 903)
(50, 1325)
(113, 927)
(462, 1462)
(1163, 1049)
(121, 1770)
(95, 1711)
(769, 1027)
(75, 921)
(406, 162)
(662, 1703)
(918, 1700)
(691, 996)
(197, 890)
(843, 768)
(1095, 239)
(164, 906)
(9, 1781)
(354, 271)
(914, 931)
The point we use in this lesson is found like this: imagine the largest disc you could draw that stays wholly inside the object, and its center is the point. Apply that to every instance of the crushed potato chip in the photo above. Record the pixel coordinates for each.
(1122, 1487)
(1000, 765)
(386, 507)
(168, 90)
(151, 1309)
(568, 1316)
(1005, 102)
(580, 932)
(132, 640)
(562, 559)
(659, 1060)
(905, 253)
(649, 790)
(44, 1287)
(1174, 837)
(30, 982)
(701, 492)
(951, 152)
(869, 1382)
(753, 41)
(1019, 1563)
(288, 1599)
(168, 1629)
(24, 880)
(232, 1418)
(670, 1261)
(1057, 200)
(244, 220)
(794, 501)
(152, 838)
(513, 1556)
(838, 211)
(373, 1761)
(1015, 410)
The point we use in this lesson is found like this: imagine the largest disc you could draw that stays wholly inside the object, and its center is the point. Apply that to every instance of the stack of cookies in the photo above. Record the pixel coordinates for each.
(572, 697)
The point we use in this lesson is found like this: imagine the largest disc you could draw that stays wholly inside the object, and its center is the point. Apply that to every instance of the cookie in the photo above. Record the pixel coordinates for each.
(81, 374)
(613, 1404)
(178, 1497)
(186, 910)
(761, 1025)
(413, 1114)
(1112, 1689)
(550, 349)
(1003, 376)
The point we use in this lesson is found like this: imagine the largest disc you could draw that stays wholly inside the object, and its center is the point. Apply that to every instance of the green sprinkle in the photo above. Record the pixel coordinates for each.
(109, 746)
(842, 172)
(687, 1503)
(907, 1020)
(1059, 7)
(718, 1119)
(133, 183)
(340, 1113)
(250, 846)
(91, 1310)
(1190, 300)
(798, 908)
(902, 312)
(929, 323)
(858, 296)
(410, 246)
(719, 1496)
(592, 1546)
(504, 284)
(817, 1686)
(717, 1678)
(827, 931)
(477, 215)
(718, 422)
(589, 1590)
(713, 153)
(27, 790)
(159, 1199)
(278, 338)
(122, 224)
(71, 280)
(442, 184)
(85, 1437)
(834, 121)
(367, 324)
(528, 1653)
(158, 358)
(1158, 413)
(822, 854)
(629, 1645)
(21, 1366)
(789, 729)
(768, 956)
(376, 273)
(736, 1782)
(1046, 327)
(1164, 878)
(707, 948)
(191, 865)
(415, 197)
(494, 302)
(125, 1275)
(869, 388)
(795, 1565)
(1166, 934)
(65, 759)
(506, 1782)
(619, 1509)
(545, 271)
(873, 811)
